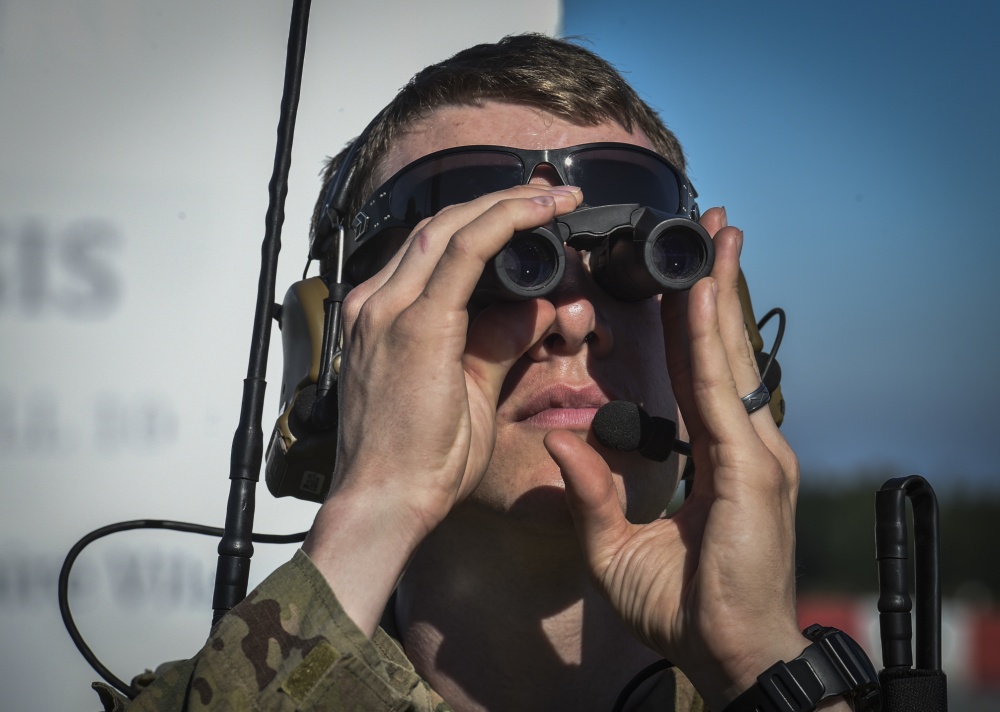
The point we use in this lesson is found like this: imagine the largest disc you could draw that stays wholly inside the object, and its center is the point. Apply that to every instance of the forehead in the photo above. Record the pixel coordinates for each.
(498, 124)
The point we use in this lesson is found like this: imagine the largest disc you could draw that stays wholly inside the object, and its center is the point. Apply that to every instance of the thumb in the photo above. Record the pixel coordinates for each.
(591, 496)
(498, 336)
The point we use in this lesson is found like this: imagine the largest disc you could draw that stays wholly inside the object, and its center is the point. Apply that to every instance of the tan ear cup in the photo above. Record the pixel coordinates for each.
(300, 459)
(777, 403)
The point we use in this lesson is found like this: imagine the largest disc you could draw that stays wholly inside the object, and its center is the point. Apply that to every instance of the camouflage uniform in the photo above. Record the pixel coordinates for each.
(290, 646)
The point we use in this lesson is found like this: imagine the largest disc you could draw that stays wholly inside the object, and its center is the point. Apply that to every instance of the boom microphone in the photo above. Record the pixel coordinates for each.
(623, 425)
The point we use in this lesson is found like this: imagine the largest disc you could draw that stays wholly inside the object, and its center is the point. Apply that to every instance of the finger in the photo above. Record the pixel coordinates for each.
(591, 496)
(714, 219)
(728, 245)
(674, 316)
(742, 363)
(383, 275)
(461, 265)
(360, 294)
(464, 237)
(397, 285)
(677, 346)
(719, 406)
(501, 334)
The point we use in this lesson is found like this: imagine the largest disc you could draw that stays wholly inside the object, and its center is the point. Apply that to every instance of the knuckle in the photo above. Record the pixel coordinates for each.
(408, 323)
(462, 244)
(422, 234)
(370, 316)
(356, 297)
(352, 305)
(793, 472)
(762, 465)
(366, 320)
(782, 471)
(708, 384)
(772, 476)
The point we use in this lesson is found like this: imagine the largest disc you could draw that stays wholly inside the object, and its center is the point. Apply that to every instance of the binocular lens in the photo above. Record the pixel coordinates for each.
(678, 254)
(528, 266)
(635, 252)
(528, 262)
(661, 253)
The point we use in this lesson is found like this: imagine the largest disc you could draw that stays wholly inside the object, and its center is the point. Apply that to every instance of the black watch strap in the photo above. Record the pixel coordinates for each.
(834, 664)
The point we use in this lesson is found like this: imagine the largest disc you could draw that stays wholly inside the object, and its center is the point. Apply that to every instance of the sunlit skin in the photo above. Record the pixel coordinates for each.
(597, 349)
(522, 584)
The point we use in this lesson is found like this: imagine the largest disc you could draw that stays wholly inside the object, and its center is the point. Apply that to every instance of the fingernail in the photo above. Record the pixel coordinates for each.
(725, 217)
(565, 189)
(547, 200)
(739, 243)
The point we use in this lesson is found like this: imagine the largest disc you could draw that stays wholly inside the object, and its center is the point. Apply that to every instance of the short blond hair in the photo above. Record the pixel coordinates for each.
(558, 76)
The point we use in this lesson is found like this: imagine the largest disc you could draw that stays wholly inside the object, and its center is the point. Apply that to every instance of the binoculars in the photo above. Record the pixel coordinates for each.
(635, 252)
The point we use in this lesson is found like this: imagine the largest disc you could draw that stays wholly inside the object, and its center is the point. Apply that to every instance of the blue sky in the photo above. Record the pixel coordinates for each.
(855, 143)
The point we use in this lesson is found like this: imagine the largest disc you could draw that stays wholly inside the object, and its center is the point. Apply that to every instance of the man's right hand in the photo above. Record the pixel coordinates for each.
(418, 391)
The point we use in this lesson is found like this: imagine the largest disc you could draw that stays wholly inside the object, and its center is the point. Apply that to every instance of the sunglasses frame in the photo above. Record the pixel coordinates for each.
(376, 215)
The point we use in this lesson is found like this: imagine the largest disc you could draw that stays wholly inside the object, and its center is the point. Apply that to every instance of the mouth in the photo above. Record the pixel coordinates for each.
(562, 407)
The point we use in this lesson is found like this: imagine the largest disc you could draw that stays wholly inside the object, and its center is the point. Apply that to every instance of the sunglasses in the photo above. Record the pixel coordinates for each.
(608, 174)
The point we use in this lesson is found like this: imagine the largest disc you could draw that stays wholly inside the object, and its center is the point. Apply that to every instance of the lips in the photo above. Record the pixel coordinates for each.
(562, 406)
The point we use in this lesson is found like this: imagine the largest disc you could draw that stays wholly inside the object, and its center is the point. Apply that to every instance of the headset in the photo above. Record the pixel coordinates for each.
(303, 445)
(302, 450)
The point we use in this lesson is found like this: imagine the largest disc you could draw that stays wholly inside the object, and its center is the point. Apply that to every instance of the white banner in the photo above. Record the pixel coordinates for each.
(138, 140)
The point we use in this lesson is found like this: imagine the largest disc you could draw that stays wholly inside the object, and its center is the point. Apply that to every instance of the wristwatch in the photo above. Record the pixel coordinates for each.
(834, 664)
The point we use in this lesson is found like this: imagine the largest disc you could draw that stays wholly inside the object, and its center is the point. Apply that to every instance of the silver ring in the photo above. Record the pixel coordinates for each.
(756, 400)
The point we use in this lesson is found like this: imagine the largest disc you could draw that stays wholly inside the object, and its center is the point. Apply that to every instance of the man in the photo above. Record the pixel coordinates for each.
(519, 564)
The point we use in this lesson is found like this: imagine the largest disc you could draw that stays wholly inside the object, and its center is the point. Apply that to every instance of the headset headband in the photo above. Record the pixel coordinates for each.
(334, 212)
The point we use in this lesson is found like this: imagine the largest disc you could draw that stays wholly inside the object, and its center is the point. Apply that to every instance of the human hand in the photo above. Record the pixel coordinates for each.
(418, 391)
(712, 587)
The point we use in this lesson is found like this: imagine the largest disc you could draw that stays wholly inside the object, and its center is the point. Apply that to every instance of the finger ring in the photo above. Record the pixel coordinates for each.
(756, 400)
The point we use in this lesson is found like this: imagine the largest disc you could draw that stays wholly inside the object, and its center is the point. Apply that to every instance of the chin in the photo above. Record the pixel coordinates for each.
(544, 509)
(528, 489)
(532, 496)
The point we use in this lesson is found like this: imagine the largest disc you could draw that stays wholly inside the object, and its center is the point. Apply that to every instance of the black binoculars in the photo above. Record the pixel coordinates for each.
(635, 252)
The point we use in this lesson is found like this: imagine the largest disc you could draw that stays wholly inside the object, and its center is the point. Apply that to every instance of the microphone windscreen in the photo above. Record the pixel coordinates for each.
(618, 425)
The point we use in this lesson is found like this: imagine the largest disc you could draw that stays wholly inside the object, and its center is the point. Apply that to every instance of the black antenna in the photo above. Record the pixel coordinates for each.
(905, 687)
(236, 547)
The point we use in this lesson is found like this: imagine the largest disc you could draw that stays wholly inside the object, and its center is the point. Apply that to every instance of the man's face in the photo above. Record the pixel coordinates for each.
(598, 349)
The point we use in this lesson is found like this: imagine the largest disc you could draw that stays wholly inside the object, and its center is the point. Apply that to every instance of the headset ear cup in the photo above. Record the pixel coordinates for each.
(772, 377)
(749, 320)
(300, 456)
(777, 406)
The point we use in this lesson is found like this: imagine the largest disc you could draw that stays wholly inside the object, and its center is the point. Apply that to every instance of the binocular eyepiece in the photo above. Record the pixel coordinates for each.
(635, 252)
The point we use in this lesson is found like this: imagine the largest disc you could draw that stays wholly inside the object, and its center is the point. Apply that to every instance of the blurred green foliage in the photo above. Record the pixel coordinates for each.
(836, 541)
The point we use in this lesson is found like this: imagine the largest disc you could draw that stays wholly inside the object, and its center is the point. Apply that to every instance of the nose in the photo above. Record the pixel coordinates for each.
(545, 174)
(580, 323)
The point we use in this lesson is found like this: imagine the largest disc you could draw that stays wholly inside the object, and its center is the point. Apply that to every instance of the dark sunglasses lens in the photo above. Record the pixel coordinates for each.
(610, 176)
(375, 254)
(424, 189)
